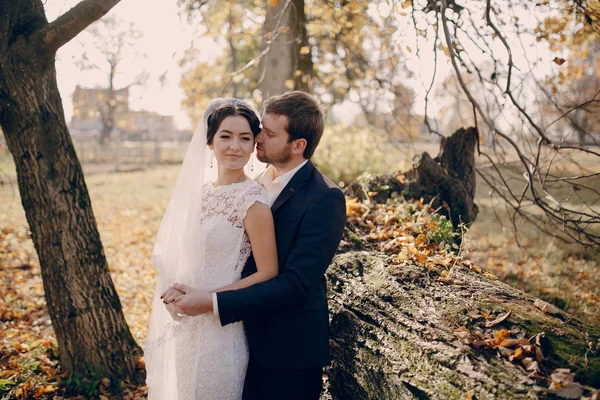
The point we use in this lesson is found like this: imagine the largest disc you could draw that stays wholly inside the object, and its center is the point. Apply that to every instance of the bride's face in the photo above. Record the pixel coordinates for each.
(233, 143)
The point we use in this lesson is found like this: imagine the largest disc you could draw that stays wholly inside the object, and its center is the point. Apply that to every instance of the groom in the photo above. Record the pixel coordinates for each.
(286, 318)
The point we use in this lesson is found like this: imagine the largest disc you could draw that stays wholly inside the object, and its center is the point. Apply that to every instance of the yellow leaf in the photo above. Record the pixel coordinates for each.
(518, 354)
(444, 49)
(289, 84)
(421, 258)
(304, 50)
(272, 3)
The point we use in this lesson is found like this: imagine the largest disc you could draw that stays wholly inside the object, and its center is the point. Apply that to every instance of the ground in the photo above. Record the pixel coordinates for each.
(128, 207)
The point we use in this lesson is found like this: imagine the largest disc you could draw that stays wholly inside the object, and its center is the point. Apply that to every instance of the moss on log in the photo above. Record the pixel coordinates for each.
(392, 334)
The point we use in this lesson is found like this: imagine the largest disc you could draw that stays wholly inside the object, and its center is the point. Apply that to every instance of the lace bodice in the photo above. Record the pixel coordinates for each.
(204, 359)
(222, 231)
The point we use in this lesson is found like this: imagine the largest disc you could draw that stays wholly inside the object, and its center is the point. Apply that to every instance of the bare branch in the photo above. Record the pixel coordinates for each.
(71, 23)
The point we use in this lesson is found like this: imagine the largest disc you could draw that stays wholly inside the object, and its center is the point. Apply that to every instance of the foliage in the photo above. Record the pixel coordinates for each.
(522, 72)
(352, 48)
(346, 152)
(236, 26)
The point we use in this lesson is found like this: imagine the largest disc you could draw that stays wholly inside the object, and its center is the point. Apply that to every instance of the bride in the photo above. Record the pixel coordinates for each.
(204, 240)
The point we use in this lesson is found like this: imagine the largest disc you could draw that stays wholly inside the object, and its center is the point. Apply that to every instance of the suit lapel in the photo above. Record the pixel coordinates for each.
(298, 181)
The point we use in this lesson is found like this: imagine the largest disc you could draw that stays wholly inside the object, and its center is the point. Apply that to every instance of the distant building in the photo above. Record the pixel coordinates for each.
(89, 104)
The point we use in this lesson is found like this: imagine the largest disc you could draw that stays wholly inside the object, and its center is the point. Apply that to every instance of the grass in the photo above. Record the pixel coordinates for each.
(128, 207)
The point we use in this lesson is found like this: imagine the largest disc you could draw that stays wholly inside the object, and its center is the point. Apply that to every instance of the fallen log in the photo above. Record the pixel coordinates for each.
(394, 335)
(410, 319)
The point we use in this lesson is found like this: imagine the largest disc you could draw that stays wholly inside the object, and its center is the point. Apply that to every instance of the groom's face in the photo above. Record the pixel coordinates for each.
(272, 143)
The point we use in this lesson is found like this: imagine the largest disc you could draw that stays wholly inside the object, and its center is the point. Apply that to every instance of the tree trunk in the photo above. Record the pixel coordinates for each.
(447, 181)
(232, 50)
(277, 66)
(392, 334)
(92, 334)
(304, 65)
(108, 107)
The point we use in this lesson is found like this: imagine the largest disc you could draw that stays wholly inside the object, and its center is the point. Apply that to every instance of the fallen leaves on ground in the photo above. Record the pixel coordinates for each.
(562, 275)
(526, 353)
(128, 209)
(412, 230)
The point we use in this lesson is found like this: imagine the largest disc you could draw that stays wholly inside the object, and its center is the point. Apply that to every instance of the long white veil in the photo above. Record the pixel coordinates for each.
(177, 250)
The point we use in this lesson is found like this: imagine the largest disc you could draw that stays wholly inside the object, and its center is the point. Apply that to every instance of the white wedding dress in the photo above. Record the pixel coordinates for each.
(198, 359)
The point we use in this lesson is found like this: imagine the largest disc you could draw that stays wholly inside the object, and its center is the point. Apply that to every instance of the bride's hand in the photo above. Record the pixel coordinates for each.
(193, 302)
(171, 294)
(175, 312)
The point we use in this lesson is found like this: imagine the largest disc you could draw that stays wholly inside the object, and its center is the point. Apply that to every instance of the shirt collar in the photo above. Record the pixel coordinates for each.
(267, 180)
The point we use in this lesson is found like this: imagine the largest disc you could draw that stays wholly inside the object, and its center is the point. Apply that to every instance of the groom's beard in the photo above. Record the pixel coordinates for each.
(280, 158)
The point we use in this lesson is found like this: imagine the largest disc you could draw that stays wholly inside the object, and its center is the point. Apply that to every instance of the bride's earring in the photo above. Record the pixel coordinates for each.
(212, 156)
(251, 164)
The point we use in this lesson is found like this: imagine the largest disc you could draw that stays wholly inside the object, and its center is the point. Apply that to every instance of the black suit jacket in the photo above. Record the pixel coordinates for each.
(286, 318)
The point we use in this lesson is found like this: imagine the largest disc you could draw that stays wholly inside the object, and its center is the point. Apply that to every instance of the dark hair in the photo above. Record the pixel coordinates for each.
(218, 115)
(305, 117)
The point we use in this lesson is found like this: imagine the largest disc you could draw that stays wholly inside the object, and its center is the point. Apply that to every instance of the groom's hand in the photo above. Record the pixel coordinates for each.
(193, 301)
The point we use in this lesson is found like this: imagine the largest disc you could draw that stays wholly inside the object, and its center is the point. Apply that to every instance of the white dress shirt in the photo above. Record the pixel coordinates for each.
(274, 187)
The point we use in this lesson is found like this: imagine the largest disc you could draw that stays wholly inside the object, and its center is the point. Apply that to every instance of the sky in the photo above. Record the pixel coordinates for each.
(167, 35)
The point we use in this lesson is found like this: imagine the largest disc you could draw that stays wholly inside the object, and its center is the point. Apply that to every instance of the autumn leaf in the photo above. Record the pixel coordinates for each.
(546, 307)
(272, 3)
(468, 396)
(499, 320)
(509, 342)
(501, 335)
(444, 49)
(530, 364)
(463, 335)
(420, 258)
(563, 384)
(559, 61)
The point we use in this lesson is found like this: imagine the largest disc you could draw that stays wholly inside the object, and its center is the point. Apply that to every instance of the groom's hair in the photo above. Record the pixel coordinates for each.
(219, 114)
(306, 120)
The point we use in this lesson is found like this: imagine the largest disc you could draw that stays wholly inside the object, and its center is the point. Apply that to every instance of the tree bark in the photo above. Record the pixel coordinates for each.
(277, 66)
(91, 331)
(304, 66)
(287, 63)
(392, 328)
